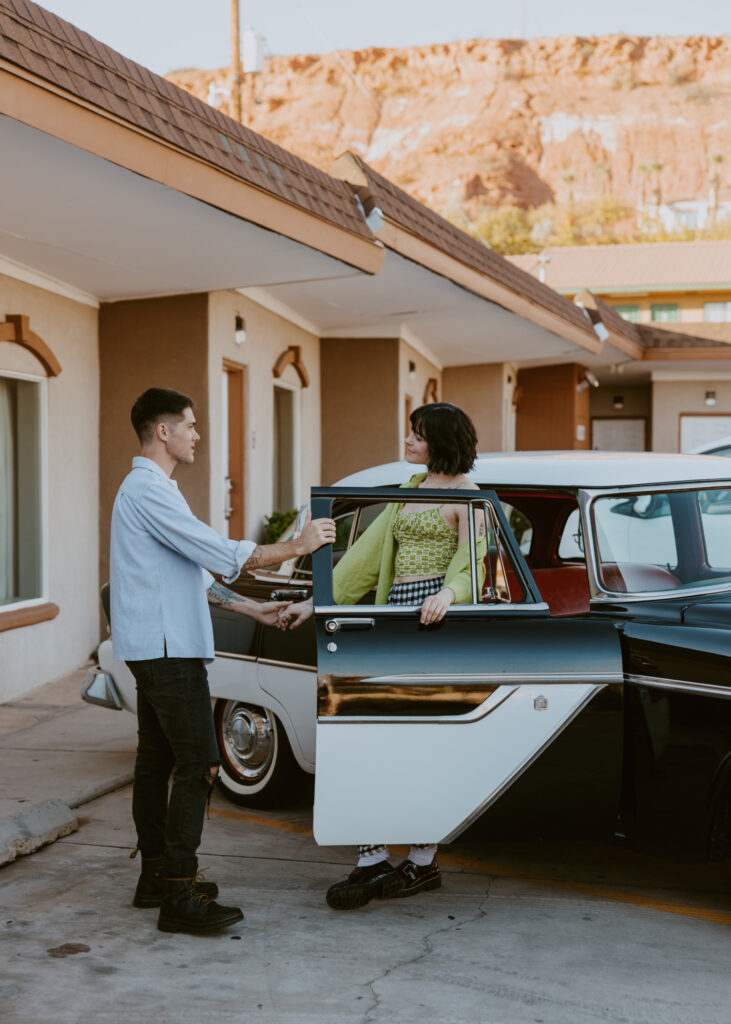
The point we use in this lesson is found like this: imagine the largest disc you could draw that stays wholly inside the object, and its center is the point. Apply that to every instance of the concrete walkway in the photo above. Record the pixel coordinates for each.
(57, 753)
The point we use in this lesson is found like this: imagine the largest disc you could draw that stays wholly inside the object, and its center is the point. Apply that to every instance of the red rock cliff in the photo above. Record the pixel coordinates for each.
(507, 121)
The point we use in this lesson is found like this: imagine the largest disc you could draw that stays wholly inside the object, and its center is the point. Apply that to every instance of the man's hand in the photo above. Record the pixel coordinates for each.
(295, 614)
(435, 607)
(270, 613)
(315, 534)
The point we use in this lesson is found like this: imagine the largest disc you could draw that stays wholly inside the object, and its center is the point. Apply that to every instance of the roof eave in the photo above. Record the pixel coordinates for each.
(35, 102)
(410, 246)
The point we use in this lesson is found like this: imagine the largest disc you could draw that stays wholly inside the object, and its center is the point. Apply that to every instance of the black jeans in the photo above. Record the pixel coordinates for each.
(175, 735)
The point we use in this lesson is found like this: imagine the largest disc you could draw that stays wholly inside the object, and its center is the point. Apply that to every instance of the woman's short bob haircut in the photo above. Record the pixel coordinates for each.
(450, 435)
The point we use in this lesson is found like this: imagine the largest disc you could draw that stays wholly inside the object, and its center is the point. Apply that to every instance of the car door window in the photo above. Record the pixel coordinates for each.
(489, 575)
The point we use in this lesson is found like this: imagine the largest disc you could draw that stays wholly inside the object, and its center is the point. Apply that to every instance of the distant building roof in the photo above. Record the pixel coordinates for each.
(54, 50)
(646, 266)
(402, 209)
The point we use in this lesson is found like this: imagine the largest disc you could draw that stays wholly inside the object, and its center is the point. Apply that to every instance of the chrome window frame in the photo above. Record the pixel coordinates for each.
(529, 606)
(599, 595)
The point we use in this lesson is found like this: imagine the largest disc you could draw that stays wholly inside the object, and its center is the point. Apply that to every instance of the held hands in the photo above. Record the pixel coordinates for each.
(435, 606)
(270, 613)
(294, 615)
(315, 533)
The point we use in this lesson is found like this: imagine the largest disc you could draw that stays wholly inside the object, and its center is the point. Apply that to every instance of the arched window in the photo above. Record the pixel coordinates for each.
(23, 400)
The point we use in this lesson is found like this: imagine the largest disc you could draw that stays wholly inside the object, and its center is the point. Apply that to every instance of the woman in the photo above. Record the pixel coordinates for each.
(414, 554)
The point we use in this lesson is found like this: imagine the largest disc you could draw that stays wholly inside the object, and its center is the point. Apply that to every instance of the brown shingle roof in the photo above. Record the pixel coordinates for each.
(644, 266)
(419, 220)
(656, 337)
(56, 51)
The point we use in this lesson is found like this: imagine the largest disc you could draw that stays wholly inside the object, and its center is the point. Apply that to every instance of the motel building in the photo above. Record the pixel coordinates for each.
(146, 239)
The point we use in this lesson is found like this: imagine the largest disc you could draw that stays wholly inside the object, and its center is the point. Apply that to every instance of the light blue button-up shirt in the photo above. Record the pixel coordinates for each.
(159, 557)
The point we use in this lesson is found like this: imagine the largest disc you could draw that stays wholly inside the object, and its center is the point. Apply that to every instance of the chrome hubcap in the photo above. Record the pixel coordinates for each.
(248, 740)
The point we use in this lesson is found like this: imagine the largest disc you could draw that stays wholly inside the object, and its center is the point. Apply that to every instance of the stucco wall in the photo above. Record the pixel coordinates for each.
(149, 343)
(413, 383)
(362, 411)
(32, 655)
(267, 336)
(485, 392)
(671, 399)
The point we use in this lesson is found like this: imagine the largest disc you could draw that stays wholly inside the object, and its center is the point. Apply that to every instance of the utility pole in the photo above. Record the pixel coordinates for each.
(235, 62)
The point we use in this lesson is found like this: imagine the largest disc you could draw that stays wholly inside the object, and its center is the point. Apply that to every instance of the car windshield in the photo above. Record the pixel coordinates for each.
(668, 540)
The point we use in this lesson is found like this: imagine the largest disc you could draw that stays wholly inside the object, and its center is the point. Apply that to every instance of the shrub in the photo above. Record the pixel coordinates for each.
(277, 523)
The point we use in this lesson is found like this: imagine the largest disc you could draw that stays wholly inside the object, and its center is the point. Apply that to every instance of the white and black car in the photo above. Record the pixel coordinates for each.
(591, 669)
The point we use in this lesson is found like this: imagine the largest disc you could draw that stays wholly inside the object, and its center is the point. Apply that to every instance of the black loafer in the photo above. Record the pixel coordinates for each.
(417, 878)
(377, 881)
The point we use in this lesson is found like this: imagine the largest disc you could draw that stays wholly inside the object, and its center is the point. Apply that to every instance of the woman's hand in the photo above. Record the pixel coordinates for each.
(269, 613)
(435, 607)
(295, 615)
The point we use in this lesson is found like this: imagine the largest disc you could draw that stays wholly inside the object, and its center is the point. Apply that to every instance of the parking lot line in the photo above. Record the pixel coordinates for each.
(506, 871)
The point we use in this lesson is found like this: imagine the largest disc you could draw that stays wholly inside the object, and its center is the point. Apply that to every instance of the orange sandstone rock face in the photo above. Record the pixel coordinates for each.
(507, 121)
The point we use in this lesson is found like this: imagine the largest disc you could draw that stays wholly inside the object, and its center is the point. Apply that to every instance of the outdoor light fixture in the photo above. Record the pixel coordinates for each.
(618, 402)
(374, 219)
(240, 330)
(710, 397)
(412, 370)
(588, 380)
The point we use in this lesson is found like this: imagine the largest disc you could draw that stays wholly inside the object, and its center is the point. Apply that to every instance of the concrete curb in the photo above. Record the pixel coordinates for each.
(41, 824)
(101, 790)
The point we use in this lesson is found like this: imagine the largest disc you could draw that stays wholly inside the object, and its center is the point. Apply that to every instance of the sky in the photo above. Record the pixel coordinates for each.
(166, 35)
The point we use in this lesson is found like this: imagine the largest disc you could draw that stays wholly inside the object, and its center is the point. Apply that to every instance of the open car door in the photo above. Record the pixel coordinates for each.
(420, 729)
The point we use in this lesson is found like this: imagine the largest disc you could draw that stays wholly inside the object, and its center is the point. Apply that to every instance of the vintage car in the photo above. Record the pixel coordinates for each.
(589, 676)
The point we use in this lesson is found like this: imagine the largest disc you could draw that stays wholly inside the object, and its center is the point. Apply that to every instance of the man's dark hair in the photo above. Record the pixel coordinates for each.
(157, 404)
(450, 436)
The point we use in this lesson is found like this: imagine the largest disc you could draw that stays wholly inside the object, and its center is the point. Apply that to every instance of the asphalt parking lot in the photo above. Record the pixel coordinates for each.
(561, 932)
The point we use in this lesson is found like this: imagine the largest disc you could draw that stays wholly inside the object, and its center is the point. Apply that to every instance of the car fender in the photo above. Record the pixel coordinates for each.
(239, 679)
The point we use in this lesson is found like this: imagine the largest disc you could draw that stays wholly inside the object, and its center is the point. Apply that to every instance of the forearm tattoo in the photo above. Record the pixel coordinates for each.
(222, 597)
(254, 559)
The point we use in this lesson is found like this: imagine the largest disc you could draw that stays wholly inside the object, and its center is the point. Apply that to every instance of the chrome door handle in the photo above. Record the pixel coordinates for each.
(335, 625)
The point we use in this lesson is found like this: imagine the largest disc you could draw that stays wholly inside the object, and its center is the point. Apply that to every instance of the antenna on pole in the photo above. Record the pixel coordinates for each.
(235, 62)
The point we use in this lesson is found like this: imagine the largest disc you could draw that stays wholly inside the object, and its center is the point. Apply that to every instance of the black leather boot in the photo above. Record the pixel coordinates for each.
(186, 909)
(149, 891)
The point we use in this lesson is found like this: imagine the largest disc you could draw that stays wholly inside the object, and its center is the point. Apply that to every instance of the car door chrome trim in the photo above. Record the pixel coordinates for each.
(486, 707)
(515, 679)
(519, 771)
(499, 608)
(235, 657)
(682, 685)
(287, 664)
(506, 685)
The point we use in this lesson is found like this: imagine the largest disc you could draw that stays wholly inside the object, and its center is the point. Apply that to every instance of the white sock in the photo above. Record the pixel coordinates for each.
(373, 858)
(422, 855)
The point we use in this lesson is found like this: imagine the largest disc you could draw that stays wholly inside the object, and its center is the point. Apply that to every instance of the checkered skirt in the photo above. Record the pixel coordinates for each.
(415, 592)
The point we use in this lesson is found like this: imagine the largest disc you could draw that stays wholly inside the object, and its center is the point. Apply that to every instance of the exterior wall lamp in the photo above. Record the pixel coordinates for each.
(587, 381)
(239, 330)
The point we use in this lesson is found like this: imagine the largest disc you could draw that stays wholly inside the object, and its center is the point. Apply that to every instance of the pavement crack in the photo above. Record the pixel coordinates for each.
(428, 948)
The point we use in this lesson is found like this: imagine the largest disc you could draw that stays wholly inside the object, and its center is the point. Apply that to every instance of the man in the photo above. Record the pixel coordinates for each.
(161, 627)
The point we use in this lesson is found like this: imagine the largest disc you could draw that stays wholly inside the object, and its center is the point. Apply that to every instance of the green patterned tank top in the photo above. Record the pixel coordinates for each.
(426, 545)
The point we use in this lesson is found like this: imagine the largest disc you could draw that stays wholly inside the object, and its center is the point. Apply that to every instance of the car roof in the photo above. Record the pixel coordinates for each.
(570, 469)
